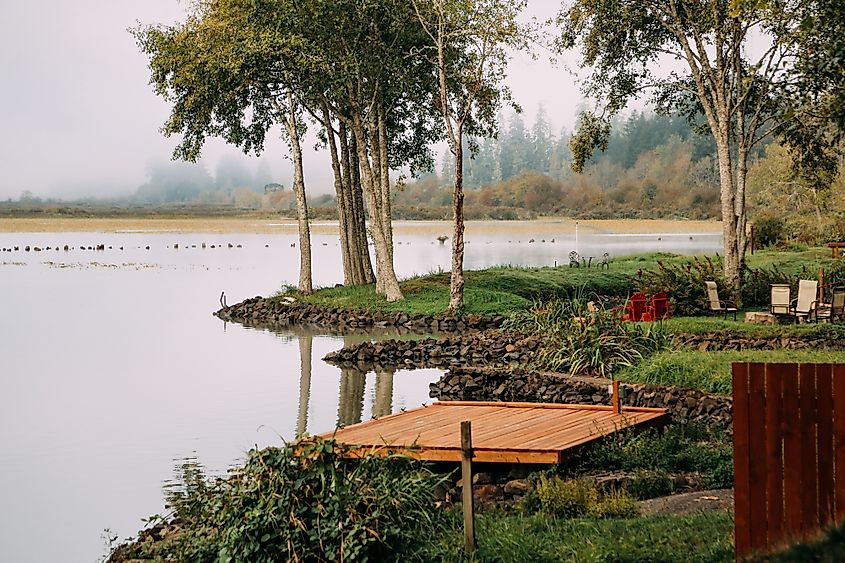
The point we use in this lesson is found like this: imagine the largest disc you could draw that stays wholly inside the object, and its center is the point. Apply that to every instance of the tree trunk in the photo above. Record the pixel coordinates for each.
(456, 281)
(384, 180)
(347, 247)
(305, 284)
(353, 169)
(386, 282)
(727, 197)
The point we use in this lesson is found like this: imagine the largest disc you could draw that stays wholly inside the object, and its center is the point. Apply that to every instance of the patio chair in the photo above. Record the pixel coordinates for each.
(637, 307)
(833, 310)
(716, 304)
(659, 309)
(804, 306)
(780, 302)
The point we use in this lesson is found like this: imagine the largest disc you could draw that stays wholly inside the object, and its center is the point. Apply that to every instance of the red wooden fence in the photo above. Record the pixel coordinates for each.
(789, 452)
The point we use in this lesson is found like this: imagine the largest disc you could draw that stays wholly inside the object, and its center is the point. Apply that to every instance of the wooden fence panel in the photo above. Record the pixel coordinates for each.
(742, 506)
(789, 452)
(824, 426)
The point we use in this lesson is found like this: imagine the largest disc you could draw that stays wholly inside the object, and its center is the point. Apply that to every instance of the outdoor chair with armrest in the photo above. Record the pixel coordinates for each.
(716, 304)
(780, 301)
(804, 306)
(659, 308)
(833, 310)
(637, 306)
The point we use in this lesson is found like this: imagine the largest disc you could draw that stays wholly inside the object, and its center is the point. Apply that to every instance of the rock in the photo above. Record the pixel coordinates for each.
(517, 487)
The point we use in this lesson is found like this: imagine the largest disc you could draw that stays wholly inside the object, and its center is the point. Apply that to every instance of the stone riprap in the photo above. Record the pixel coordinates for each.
(264, 312)
(472, 384)
(728, 341)
(476, 348)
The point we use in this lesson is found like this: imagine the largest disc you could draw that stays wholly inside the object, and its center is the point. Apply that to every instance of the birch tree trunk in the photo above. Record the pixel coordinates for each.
(305, 283)
(347, 247)
(386, 282)
(456, 280)
(352, 176)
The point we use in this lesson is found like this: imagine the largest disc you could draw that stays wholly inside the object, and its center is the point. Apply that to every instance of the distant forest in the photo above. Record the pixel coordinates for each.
(655, 166)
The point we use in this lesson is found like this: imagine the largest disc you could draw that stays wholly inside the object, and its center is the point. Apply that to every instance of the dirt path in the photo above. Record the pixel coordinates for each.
(689, 503)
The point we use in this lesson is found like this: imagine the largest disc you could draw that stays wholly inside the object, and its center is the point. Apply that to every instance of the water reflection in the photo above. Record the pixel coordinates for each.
(354, 402)
(305, 346)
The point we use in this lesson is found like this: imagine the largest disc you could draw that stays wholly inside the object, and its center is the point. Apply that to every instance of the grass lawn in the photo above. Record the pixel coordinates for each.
(515, 538)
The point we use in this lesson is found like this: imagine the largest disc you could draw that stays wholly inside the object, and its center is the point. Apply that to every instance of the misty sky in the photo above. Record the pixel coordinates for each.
(79, 117)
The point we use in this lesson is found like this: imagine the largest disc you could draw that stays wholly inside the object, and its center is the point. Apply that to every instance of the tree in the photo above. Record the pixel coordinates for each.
(227, 72)
(741, 97)
(362, 60)
(468, 46)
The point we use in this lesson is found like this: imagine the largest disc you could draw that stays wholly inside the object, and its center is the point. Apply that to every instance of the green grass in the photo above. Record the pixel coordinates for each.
(516, 538)
(708, 324)
(504, 289)
(830, 548)
(711, 370)
(499, 290)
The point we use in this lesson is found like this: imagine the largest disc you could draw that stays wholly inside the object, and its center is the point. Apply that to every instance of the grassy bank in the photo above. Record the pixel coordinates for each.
(536, 538)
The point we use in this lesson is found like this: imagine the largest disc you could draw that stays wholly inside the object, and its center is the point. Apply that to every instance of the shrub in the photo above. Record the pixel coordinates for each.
(573, 498)
(302, 502)
(647, 484)
(615, 503)
(684, 283)
(566, 498)
(769, 230)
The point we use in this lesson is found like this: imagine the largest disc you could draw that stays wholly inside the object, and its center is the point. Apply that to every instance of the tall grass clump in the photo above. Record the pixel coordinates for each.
(585, 339)
(302, 502)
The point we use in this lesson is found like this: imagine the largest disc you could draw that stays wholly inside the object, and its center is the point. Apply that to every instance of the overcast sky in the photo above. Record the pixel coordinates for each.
(79, 117)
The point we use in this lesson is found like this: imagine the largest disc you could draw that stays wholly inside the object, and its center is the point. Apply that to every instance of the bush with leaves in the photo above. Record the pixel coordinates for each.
(303, 502)
(586, 341)
(573, 498)
(683, 283)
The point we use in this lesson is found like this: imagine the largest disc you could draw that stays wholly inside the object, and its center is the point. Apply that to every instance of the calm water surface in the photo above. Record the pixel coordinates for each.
(112, 367)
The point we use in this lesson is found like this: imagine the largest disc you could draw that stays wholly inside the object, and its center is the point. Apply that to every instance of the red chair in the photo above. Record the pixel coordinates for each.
(659, 309)
(637, 307)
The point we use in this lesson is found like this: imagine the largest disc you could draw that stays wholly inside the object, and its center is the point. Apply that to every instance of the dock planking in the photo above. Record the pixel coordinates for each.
(501, 432)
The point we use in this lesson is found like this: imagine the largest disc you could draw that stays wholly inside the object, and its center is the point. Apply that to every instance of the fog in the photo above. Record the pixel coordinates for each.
(79, 118)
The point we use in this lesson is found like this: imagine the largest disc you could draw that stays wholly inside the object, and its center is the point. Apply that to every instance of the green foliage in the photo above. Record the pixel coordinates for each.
(509, 538)
(615, 503)
(677, 448)
(768, 230)
(303, 502)
(711, 370)
(829, 548)
(647, 484)
(568, 498)
(683, 283)
(581, 341)
(497, 290)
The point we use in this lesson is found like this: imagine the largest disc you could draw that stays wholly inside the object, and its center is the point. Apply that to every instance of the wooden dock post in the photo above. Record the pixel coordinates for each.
(614, 398)
(466, 476)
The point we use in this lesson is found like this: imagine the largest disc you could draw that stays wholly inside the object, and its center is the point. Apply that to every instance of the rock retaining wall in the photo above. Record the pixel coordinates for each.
(276, 313)
(470, 384)
(718, 341)
(487, 348)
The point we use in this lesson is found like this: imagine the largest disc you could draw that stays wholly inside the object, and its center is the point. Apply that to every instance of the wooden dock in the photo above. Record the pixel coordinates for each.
(501, 432)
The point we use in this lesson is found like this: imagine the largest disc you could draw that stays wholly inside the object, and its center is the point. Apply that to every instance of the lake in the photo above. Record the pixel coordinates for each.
(112, 367)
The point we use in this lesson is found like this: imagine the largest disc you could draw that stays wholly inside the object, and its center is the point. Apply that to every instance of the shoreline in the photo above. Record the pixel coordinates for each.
(282, 226)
